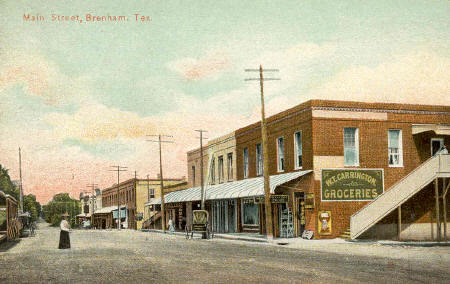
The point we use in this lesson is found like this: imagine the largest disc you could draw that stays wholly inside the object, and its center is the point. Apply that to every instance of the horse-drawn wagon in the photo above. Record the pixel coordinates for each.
(10, 225)
(199, 224)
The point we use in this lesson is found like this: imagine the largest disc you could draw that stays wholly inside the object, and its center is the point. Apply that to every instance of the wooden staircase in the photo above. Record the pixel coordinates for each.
(147, 223)
(436, 167)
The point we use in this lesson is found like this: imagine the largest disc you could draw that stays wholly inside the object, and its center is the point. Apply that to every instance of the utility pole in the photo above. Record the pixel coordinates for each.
(20, 185)
(118, 169)
(203, 193)
(153, 205)
(161, 189)
(267, 202)
(92, 186)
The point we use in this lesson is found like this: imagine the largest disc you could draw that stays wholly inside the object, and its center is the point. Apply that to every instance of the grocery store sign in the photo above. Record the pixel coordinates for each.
(351, 184)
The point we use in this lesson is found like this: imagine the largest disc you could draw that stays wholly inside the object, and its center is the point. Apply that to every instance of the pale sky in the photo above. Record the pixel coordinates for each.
(80, 97)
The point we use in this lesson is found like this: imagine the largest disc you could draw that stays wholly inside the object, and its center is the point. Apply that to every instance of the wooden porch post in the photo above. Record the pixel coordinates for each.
(399, 223)
(444, 204)
(438, 223)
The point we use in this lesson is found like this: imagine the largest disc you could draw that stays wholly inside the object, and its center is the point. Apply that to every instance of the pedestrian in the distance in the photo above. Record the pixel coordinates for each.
(171, 227)
(444, 150)
(64, 239)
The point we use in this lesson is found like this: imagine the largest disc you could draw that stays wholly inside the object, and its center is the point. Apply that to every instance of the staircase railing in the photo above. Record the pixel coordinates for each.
(398, 194)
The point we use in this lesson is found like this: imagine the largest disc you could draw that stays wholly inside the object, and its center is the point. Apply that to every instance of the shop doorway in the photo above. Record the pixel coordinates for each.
(224, 216)
(300, 221)
(436, 145)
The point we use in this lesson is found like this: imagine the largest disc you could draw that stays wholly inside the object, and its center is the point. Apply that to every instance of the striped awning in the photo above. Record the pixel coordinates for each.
(236, 189)
(106, 210)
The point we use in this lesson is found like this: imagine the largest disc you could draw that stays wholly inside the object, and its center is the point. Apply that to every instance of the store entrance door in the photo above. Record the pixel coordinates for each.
(300, 213)
(224, 216)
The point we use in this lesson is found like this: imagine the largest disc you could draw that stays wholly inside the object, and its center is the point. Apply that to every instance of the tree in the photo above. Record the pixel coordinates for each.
(6, 185)
(31, 205)
(60, 204)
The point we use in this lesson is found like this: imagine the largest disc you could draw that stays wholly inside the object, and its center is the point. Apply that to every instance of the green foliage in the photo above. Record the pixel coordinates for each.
(55, 220)
(60, 204)
(6, 184)
(31, 205)
(61, 197)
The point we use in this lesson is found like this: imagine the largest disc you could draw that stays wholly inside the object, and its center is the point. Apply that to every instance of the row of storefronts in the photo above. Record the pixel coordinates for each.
(334, 168)
(133, 194)
(367, 170)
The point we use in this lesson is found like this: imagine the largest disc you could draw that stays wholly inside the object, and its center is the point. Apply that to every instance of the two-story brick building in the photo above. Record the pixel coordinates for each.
(336, 163)
(134, 193)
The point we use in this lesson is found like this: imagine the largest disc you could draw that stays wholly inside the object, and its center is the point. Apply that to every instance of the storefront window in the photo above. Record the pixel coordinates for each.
(250, 213)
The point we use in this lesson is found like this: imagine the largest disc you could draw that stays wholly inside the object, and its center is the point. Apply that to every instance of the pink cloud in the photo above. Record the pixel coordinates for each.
(205, 67)
(39, 77)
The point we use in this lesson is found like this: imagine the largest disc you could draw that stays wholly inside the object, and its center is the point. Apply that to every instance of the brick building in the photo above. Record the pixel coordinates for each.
(335, 166)
(134, 193)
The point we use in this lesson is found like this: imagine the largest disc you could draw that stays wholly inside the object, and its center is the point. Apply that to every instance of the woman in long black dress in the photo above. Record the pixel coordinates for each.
(64, 239)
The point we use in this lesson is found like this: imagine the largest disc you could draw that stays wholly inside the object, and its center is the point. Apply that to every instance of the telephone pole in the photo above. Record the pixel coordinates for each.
(203, 193)
(161, 190)
(20, 185)
(118, 169)
(92, 186)
(267, 202)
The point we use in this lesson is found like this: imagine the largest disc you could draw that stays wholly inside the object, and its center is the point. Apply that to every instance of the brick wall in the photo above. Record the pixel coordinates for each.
(323, 137)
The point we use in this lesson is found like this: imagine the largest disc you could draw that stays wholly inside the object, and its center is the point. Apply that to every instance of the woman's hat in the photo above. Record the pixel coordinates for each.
(65, 215)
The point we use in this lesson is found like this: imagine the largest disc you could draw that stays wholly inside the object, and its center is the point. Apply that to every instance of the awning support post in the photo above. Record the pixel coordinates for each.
(438, 223)
(444, 204)
(399, 223)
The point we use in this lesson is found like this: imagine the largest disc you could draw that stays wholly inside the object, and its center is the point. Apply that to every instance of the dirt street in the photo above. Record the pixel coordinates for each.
(130, 256)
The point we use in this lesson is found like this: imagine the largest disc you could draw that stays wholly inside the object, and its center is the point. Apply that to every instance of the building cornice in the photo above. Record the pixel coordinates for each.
(348, 109)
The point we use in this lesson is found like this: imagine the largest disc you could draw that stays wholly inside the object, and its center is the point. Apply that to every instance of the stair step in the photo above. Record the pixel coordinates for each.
(345, 234)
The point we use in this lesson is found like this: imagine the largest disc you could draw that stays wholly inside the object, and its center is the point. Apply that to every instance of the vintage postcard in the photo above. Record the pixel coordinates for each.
(224, 141)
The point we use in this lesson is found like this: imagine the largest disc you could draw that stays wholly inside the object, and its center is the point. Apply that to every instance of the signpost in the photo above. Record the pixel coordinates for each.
(351, 184)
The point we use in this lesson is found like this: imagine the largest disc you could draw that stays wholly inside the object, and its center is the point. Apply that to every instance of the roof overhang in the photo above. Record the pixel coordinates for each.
(230, 190)
(439, 129)
(109, 209)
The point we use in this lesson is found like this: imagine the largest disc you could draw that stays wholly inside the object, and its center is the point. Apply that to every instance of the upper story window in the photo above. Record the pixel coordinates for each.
(213, 171)
(351, 147)
(245, 153)
(230, 166)
(395, 150)
(280, 154)
(221, 173)
(298, 150)
(193, 175)
(151, 193)
(259, 160)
